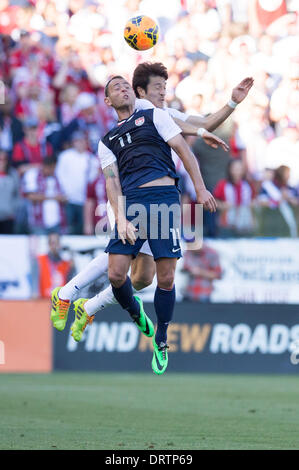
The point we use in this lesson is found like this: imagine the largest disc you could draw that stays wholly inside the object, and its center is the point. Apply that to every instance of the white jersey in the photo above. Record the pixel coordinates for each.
(174, 113)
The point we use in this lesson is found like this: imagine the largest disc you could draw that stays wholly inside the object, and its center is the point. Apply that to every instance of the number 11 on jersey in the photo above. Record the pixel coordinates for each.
(129, 139)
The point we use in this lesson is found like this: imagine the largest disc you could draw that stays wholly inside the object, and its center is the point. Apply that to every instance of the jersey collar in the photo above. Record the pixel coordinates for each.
(119, 123)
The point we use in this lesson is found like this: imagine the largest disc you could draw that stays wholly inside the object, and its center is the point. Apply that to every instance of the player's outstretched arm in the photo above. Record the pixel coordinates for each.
(126, 230)
(190, 163)
(210, 139)
(214, 120)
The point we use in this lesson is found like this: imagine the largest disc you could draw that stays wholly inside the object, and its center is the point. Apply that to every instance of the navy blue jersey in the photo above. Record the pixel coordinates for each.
(139, 145)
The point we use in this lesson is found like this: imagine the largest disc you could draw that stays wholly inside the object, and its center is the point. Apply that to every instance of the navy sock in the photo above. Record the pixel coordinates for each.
(164, 305)
(124, 296)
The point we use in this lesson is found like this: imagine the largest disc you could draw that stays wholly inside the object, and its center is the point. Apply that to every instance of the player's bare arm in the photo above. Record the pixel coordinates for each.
(190, 163)
(210, 139)
(126, 230)
(214, 120)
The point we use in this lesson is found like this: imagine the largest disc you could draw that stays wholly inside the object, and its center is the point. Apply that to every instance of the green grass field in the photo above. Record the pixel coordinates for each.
(142, 411)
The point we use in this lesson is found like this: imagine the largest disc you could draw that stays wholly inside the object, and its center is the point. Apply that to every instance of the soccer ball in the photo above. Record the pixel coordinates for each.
(141, 33)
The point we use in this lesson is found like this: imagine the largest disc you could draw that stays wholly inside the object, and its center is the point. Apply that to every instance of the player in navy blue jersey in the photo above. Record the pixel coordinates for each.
(149, 82)
(137, 163)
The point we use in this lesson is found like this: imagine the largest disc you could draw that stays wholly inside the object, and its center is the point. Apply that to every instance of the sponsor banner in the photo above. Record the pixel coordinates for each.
(253, 270)
(202, 338)
(15, 268)
(257, 271)
(25, 336)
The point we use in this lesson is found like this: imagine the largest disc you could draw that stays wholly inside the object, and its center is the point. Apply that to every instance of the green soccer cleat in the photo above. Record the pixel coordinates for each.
(143, 322)
(59, 311)
(82, 319)
(160, 358)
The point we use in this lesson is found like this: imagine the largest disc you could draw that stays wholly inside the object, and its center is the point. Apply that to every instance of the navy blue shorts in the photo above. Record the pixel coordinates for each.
(156, 213)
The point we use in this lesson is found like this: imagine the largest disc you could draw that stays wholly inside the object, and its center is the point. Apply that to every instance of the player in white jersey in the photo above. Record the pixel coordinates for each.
(149, 83)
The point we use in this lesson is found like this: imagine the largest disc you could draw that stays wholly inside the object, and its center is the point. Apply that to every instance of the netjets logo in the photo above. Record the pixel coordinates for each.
(295, 353)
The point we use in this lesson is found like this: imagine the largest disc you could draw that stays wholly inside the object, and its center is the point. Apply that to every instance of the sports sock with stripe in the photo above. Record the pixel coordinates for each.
(124, 296)
(164, 302)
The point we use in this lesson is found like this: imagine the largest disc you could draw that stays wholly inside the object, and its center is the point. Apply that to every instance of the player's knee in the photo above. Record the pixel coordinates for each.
(166, 281)
(116, 277)
(141, 282)
(142, 278)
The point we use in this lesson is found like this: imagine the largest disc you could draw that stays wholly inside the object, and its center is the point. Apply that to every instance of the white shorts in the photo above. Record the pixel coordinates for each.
(145, 249)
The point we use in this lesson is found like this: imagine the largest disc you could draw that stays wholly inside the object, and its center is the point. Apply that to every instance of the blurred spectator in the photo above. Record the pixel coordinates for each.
(278, 200)
(234, 197)
(45, 198)
(87, 120)
(31, 84)
(284, 101)
(284, 150)
(193, 83)
(7, 17)
(67, 109)
(11, 129)
(21, 51)
(75, 169)
(9, 191)
(213, 166)
(30, 151)
(53, 270)
(48, 125)
(202, 267)
(71, 70)
(254, 136)
(262, 13)
(95, 205)
(234, 16)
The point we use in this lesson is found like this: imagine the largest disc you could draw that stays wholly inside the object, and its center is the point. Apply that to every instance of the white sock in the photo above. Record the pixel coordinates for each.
(101, 301)
(89, 274)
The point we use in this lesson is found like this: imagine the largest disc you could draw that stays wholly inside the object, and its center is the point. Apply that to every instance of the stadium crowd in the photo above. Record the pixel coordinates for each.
(55, 58)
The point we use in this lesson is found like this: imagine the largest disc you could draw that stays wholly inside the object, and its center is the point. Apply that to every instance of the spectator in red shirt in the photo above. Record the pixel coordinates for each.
(20, 53)
(30, 151)
(234, 197)
(71, 70)
(202, 267)
(7, 17)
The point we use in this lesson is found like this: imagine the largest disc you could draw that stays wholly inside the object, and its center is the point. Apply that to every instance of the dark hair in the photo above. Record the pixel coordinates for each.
(144, 71)
(108, 83)
(279, 174)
